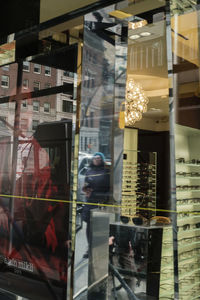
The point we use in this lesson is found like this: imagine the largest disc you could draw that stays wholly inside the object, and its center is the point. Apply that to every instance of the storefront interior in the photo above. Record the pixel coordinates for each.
(123, 81)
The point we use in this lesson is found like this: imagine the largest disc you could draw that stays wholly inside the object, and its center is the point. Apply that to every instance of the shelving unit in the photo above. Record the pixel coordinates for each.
(139, 184)
(188, 212)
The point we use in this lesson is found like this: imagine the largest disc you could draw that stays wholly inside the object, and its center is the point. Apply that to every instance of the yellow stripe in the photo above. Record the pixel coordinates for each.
(100, 204)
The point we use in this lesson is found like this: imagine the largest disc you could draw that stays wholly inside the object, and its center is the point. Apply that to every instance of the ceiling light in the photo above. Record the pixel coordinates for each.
(136, 102)
(145, 33)
(155, 109)
(134, 25)
(134, 37)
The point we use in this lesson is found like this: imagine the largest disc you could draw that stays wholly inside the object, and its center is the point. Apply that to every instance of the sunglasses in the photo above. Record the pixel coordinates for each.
(135, 220)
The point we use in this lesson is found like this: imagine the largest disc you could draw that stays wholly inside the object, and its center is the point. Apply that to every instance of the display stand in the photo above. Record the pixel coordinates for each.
(139, 184)
(188, 210)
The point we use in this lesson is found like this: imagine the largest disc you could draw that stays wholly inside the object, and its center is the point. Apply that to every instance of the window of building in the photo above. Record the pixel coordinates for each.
(25, 83)
(47, 71)
(26, 66)
(67, 106)
(24, 103)
(81, 143)
(36, 105)
(86, 144)
(68, 74)
(65, 83)
(24, 124)
(34, 124)
(46, 107)
(36, 85)
(37, 68)
(86, 121)
(47, 85)
(2, 121)
(92, 119)
(5, 81)
(6, 68)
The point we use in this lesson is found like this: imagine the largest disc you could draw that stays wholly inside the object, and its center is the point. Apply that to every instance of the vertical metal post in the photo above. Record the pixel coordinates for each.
(172, 103)
(75, 166)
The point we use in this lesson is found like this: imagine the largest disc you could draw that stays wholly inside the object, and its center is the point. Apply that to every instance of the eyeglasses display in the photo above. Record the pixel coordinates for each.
(188, 221)
(192, 161)
(187, 187)
(139, 184)
(188, 174)
(167, 265)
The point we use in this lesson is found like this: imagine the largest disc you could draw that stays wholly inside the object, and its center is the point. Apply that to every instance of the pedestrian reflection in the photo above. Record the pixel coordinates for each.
(96, 188)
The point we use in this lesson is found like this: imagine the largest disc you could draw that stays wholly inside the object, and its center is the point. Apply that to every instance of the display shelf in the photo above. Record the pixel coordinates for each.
(139, 183)
(187, 164)
(188, 217)
(187, 177)
(189, 190)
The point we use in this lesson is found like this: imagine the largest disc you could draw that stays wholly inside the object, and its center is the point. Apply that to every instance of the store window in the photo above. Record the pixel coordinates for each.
(37, 68)
(67, 106)
(139, 130)
(5, 81)
(46, 107)
(26, 66)
(36, 105)
(47, 71)
(187, 136)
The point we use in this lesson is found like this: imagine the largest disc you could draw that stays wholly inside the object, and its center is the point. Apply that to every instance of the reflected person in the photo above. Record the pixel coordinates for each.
(96, 188)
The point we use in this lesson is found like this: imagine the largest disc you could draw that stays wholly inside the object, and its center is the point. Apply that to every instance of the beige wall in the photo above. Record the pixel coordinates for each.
(50, 8)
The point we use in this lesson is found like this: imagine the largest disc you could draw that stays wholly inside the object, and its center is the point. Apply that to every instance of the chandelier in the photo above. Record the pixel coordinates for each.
(136, 102)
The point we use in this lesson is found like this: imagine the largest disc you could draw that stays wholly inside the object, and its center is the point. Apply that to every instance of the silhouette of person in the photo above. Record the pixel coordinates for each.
(96, 188)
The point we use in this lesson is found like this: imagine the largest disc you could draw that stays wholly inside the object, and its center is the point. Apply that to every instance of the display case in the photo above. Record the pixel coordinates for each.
(139, 184)
(141, 269)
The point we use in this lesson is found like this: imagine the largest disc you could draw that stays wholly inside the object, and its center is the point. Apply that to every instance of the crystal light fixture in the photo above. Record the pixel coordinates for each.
(136, 102)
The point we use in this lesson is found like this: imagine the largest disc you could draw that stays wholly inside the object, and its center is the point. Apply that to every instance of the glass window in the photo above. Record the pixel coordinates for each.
(36, 85)
(47, 107)
(24, 124)
(65, 83)
(6, 68)
(68, 74)
(36, 105)
(24, 103)
(5, 81)
(92, 119)
(47, 71)
(25, 83)
(35, 124)
(67, 106)
(47, 85)
(26, 66)
(37, 68)
(2, 121)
